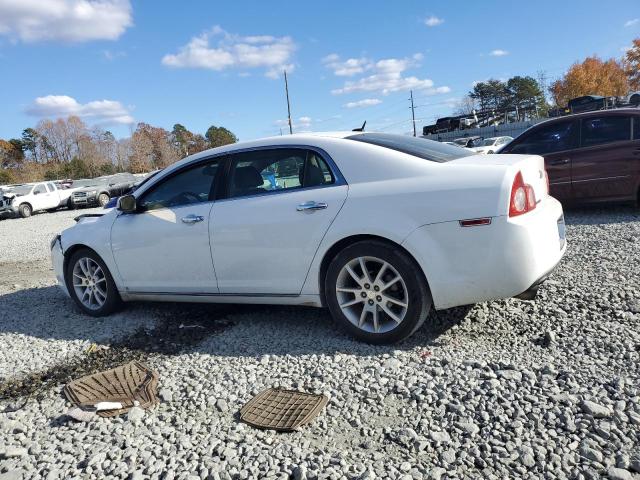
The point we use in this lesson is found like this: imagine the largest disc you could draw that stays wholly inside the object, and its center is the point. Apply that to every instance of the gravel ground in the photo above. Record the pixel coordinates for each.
(509, 389)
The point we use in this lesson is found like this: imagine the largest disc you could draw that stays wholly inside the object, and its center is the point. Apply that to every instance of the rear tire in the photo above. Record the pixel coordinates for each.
(383, 305)
(25, 210)
(91, 285)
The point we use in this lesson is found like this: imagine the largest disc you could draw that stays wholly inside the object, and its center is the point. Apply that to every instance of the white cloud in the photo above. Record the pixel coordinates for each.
(347, 68)
(113, 55)
(300, 125)
(367, 102)
(64, 20)
(498, 53)
(433, 21)
(387, 77)
(106, 112)
(234, 51)
(631, 23)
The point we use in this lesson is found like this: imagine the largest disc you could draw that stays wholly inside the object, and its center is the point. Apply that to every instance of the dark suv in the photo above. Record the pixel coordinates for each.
(590, 157)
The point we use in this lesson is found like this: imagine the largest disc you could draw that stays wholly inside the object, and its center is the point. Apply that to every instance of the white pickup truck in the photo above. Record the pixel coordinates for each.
(25, 199)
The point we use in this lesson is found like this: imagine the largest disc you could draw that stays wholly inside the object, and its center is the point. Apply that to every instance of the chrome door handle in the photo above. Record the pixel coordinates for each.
(562, 161)
(191, 219)
(311, 206)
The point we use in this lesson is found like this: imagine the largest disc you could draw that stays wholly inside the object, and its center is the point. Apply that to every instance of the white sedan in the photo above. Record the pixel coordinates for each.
(492, 145)
(379, 228)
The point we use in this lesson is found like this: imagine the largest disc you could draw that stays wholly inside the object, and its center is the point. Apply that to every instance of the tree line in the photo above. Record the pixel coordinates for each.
(592, 76)
(68, 148)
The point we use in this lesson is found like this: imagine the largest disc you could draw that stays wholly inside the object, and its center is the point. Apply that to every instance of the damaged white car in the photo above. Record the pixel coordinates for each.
(379, 228)
(25, 199)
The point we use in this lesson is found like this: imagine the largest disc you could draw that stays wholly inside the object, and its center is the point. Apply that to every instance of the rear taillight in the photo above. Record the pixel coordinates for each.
(523, 198)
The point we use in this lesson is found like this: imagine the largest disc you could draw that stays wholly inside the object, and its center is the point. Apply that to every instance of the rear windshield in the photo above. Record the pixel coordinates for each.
(418, 147)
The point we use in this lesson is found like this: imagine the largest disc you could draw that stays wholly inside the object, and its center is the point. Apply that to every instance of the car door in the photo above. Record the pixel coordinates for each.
(40, 197)
(55, 194)
(280, 203)
(556, 141)
(164, 246)
(604, 167)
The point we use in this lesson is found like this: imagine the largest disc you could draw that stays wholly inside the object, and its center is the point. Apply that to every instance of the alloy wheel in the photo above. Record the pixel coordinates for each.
(89, 283)
(372, 294)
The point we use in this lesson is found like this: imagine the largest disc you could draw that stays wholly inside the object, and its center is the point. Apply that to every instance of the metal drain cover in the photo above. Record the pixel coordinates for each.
(280, 409)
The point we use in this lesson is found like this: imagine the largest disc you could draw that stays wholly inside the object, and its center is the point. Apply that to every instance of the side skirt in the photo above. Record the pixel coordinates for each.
(306, 300)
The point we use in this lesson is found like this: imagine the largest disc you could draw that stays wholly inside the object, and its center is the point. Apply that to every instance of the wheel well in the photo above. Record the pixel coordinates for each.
(26, 203)
(344, 243)
(69, 253)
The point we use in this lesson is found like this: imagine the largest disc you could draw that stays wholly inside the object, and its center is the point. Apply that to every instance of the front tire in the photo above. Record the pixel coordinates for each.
(91, 285)
(25, 210)
(377, 292)
(103, 199)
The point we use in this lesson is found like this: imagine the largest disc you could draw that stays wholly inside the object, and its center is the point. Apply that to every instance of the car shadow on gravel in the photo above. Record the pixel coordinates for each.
(162, 329)
(46, 314)
(601, 214)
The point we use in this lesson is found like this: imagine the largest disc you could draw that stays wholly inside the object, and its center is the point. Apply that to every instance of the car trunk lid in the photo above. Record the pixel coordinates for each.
(531, 167)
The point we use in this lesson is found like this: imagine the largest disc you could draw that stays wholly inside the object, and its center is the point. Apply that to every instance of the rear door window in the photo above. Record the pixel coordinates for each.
(547, 139)
(605, 129)
(262, 171)
(636, 128)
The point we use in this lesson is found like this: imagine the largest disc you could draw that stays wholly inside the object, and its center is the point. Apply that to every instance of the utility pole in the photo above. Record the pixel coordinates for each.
(413, 114)
(286, 88)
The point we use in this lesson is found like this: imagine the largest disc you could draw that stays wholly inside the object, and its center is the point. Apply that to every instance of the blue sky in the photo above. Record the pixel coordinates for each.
(115, 62)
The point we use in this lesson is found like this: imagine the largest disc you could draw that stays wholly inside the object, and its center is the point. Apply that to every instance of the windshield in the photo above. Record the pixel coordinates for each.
(20, 190)
(84, 183)
(489, 142)
(418, 147)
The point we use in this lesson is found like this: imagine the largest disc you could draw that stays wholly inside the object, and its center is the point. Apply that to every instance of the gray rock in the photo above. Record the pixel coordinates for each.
(549, 338)
(165, 395)
(590, 453)
(619, 474)
(12, 475)
(528, 460)
(595, 409)
(13, 452)
(221, 405)
(299, 473)
(510, 375)
(436, 473)
(440, 437)
(135, 415)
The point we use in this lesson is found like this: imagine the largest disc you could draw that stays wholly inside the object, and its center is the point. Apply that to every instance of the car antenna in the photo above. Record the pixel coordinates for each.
(361, 129)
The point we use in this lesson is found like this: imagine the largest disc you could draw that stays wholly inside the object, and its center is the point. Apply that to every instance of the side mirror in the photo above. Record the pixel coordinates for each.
(127, 204)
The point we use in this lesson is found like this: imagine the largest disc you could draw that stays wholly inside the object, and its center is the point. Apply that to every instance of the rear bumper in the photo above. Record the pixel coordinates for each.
(57, 260)
(500, 260)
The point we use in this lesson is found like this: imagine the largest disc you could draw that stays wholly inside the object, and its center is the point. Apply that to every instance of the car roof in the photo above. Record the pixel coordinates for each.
(613, 111)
